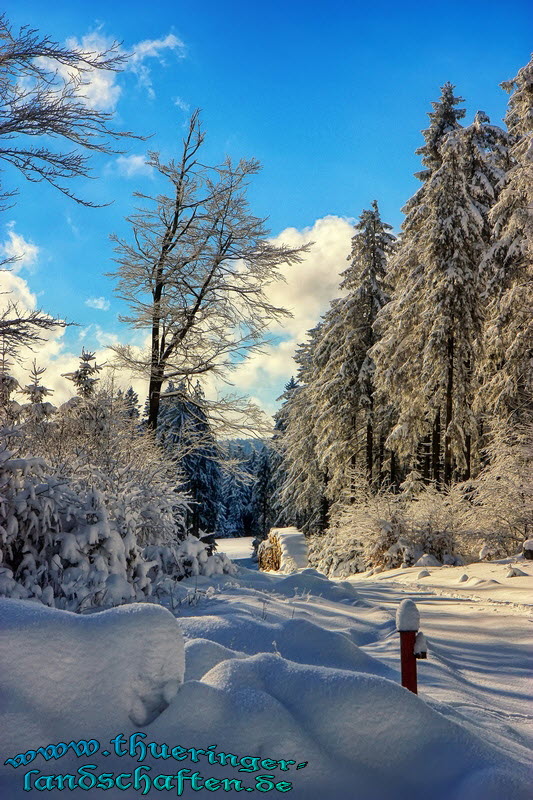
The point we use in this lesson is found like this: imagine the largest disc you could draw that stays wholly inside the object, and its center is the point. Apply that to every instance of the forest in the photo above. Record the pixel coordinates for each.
(407, 428)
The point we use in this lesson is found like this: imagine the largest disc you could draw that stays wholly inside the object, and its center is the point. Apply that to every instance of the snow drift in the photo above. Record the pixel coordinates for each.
(65, 674)
(258, 686)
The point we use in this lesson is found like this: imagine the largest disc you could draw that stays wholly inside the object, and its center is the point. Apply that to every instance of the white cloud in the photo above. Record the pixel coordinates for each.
(17, 247)
(130, 166)
(99, 88)
(180, 103)
(99, 303)
(52, 353)
(153, 48)
(309, 288)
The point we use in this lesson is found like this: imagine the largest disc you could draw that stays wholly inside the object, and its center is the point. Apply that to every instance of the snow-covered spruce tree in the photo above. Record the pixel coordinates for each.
(347, 426)
(506, 371)
(262, 494)
(184, 431)
(278, 473)
(59, 545)
(237, 517)
(131, 402)
(97, 446)
(303, 495)
(393, 353)
(85, 377)
(430, 332)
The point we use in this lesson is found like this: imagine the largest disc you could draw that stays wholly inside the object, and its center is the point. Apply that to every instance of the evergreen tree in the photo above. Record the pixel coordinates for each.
(430, 331)
(84, 378)
(261, 493)
(131, 401)
(241, 505)
(506, 371)
(278, 473)
(342, 378)
(303, 496)
(184, 431)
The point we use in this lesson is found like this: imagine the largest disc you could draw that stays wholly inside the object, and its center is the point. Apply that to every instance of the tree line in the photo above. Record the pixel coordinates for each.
(417, 376)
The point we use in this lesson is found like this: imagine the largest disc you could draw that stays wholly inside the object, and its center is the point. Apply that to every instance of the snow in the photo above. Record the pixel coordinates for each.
(293, 548)
(122, 665)
(488, 580)
(407, 616)
(427, 561)
(284, 667)
(421, 645)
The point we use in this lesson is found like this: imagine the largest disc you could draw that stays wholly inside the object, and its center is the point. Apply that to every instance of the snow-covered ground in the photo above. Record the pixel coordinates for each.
(279, 669)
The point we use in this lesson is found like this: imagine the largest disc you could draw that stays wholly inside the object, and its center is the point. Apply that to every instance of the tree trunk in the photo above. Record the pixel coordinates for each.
(154, 397)
(435, 450)
(425, 457)
(392, 469)
(369, 449)
(468, 457)
(156, 367)
(448, 461)
(381, 456)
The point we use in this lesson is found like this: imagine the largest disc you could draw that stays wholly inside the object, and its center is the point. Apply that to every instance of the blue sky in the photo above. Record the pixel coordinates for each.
(329, 96)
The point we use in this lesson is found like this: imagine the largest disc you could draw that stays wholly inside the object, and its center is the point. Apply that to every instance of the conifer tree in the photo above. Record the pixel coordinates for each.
(261, 494)
(303, 495)
(184, 431)
(506, 371)
(131, 399)
(278, 472)
(342, 384)
(84, 378)
(430, 331)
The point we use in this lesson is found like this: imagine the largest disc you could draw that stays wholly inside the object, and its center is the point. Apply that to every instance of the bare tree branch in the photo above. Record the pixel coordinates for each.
(41, 95)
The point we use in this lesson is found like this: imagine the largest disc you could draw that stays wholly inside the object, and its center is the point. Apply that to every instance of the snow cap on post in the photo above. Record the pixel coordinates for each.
(407, 616)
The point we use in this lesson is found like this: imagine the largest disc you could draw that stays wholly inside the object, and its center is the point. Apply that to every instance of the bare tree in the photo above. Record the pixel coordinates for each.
(41, 98)
(195, 272)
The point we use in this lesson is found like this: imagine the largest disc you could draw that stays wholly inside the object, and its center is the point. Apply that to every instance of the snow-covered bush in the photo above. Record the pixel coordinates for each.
(188, 557)
(500, 510)
(97, 517)
(389, 531)
(59, 546)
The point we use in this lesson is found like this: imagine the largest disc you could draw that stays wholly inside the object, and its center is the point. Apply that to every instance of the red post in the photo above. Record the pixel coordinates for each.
(407, 647)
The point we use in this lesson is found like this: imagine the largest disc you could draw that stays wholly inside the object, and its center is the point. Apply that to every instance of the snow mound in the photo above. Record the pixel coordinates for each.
(353, 729)
(428, 561)
(515, 572)
(296, 640)
(423, 574)
(527, 548)
(462, 578)
(310, 581)
(124, 664)
(201, 655)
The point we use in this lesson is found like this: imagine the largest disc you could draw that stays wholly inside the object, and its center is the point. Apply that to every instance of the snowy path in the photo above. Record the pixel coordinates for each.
(239, 549)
